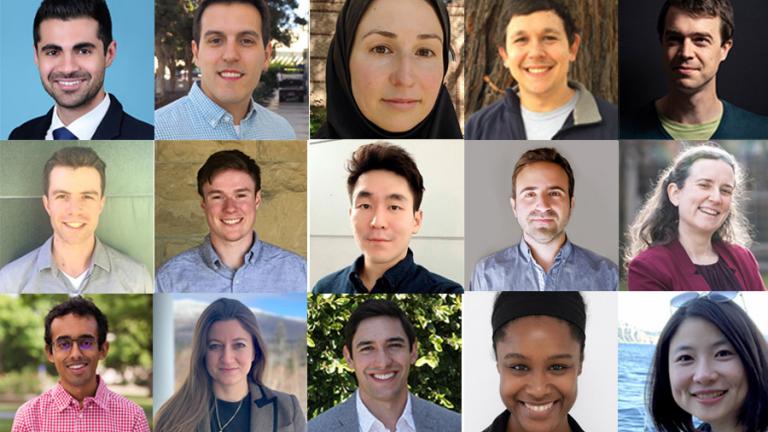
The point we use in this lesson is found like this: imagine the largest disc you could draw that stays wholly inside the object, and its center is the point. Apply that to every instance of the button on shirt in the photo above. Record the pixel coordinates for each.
(111, 272)
(574, 269)
(404, 277)
(57, 411)
(266, 268)
(197, 117)
(369, 423)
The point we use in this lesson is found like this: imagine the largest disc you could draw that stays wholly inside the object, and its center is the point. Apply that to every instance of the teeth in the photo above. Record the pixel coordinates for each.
(709, 211)
(74, 224)
(384, 376)
(709, 395)
(231, 74)
(68, 83)
(538, 408)
(537, 70)
(77, 366)
(231, 221)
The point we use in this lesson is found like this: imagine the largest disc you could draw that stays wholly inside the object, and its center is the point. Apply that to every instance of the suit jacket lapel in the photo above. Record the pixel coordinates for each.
(40, 129)
(348, 421)
(422, 416)
(263, 409)
(109, 128)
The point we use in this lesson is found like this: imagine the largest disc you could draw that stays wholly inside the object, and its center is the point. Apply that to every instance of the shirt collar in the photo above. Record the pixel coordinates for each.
(63, 400)
(45, 256)
(562, 254)
(212, 260)
(395, 276)
(366, 419)
(85, 126)
(211, 111)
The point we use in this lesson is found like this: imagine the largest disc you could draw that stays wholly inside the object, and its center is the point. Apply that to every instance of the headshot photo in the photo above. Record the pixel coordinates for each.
(541, 360)
(542, 216)
(384, 363)
(225, 67)
(385, 69)
(693, 361)
(692, 70)
(88, 75)
(391, 214)
(692, 229)
(234, 363)
(541, 70)
(77, 220)
(231, 216)
(76, 363)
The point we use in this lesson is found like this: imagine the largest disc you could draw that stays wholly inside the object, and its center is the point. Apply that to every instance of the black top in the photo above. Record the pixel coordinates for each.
(242, 420)
(500, 424)
(719, 276)
(404, 277)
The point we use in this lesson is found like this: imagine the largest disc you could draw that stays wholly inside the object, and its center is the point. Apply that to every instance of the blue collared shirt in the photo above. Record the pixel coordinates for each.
(197, 117)
(574, 269)
(266, 268)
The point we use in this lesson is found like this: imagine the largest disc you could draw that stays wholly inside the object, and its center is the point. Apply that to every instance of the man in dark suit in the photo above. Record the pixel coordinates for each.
(73, 47)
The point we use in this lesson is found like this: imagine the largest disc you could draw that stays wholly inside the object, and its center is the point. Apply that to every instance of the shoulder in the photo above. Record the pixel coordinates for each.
(607, 110)
(278, 126)
(171, 117)
(333, 418)
(270, 252)
(740, 253)
(124, 408)
(440, 284)
(33, 412)
(334, 283)
(640, 123)
(133, 128)
(287, 404)
(742, 124)
(596, 260)
(655, 254)
(127, 266)
(498, 258)
(186, 262)
(32, 129)
(447, 420)
(483, 122)
(14, 275)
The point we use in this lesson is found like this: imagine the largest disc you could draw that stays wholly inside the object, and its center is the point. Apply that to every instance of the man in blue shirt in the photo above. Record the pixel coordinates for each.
(545, 260)
(231, 47)
(232, 258)
(385, 189)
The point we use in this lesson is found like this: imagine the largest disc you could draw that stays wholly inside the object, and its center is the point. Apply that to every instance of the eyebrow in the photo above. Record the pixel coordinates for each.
(369, 342)
(679, 34)
(519, 356)
(533, 188)
(242, 189)
(242, 33)
(709, 180)
(547, 30)
(390, 35)
(61, 191)
(393, 196)
(77, 46)
(718, 343)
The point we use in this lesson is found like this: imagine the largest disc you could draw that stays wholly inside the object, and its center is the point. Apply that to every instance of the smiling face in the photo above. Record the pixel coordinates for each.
(541, 202)
(538, 360)
(706, 374)
(381, 359)
(74, 203)
(396, 63)
(230, 202)
(704, 201)
(382, 217)
(229, 356)
(77, 365)
(692, 50)
(538, 56)
(71, 60)
(231, 55)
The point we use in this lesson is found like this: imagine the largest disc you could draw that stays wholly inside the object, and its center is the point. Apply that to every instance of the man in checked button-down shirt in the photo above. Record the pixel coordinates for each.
(75, 342)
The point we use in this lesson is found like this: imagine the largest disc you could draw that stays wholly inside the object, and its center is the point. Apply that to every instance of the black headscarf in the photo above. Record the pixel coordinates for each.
(344, 119)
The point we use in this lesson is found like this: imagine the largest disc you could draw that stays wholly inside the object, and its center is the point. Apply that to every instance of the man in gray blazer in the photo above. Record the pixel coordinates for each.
(380, 345)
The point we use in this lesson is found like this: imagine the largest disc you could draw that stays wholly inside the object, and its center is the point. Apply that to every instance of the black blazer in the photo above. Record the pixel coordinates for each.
(116, 125)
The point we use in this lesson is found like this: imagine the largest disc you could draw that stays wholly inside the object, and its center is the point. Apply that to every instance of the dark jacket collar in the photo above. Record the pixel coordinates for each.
(392, 278)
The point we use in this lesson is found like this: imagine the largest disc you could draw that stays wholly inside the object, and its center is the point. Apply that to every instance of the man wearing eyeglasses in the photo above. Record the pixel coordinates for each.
(75, 341)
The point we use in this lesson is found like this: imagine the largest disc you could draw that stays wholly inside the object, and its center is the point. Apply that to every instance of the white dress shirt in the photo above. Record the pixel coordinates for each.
(85, 126)
(369, 423)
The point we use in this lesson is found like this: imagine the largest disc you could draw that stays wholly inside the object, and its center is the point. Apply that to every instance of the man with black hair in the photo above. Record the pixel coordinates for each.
(75, 342)
(73, 47)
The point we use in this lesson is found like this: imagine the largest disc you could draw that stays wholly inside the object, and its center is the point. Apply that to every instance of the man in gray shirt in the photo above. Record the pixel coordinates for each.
(232, 258)
(545, 260)
(74, 260)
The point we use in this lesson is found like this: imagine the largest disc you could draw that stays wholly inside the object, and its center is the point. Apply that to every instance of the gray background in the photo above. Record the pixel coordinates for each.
(490, 223)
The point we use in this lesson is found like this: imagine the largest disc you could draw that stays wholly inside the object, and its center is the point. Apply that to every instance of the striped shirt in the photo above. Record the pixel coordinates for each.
(197, 117)
(57, 411)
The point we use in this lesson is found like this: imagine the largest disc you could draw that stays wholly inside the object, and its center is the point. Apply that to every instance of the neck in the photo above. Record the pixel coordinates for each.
(232, 254)
(544, 253)
(230, 393)
(549, 101)
(68, 115)
(371, 272)
(697, 245)
(691, 108)
(80, 393)
(386, 411)
(237, 110)
(72, 259)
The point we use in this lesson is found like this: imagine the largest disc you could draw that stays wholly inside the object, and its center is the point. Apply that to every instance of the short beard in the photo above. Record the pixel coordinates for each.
(86, 99)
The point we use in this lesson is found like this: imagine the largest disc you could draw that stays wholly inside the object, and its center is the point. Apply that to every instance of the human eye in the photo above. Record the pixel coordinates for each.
(529, 194)
(425, 52)
(559, 368)
(85, 51)
(215, 346)
(520, 40)
(50, 52)
(395, 207)
(247, 41)
(518, 368)
(555, 193)
(240, 345)
(381, 49)
(86, 343)
(724, 353)
(683, 358)
(64, 344)
(726, 191)
(214, 40)
(363, 206)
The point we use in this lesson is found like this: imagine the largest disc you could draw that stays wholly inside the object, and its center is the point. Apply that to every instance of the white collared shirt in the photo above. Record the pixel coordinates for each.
(83, 127)
(369, 423)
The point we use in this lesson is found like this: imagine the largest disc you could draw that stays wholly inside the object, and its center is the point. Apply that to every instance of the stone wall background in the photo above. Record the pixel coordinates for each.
(323, 14)
(179, 221)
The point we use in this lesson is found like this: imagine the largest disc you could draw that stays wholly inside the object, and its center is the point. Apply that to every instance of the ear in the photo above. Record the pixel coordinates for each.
(512, 203)
(267, 56)
(257, 204)
(49, 353)
(673, 193)
(581, 366)
(348, 357)
(34, 49)
(725, 49)
(104, 350)
(46, 205)
(194, 52)
(415, 352)
(418, 217)
(102, 201)
(202, 203)
(574, 50)
(503, 54)
(573, 202)
(111, 53)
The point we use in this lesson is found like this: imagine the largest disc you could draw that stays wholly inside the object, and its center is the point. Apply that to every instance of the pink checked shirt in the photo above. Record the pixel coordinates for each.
(57, 411)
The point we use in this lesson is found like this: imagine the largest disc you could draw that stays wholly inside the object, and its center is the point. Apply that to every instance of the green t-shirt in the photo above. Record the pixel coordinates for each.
(680, 131)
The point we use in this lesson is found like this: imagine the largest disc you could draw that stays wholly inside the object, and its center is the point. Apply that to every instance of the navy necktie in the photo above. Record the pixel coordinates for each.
(63, 133)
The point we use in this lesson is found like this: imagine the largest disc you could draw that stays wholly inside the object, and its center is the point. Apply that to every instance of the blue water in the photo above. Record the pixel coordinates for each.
(634, 363)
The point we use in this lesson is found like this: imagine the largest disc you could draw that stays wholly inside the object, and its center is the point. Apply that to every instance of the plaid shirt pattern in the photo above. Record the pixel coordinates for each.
(57, 411)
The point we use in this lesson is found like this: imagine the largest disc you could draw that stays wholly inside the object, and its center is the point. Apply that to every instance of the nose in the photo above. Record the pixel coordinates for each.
(402, 74)
(537, 385)
(715, 195)
(382, 359)
(686, 49)
(536, 48)
(704, 372)
(229, 205)
(543, 202)
(379, 219)
(68, 63)
(227, 354)
(231, 52)
(74, 351)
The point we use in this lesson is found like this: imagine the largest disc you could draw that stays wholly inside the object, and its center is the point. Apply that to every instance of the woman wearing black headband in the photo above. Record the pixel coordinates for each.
(385, 71)
(538, 341)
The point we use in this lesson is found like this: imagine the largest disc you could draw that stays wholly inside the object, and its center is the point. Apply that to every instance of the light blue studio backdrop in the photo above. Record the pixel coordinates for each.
(130, 78)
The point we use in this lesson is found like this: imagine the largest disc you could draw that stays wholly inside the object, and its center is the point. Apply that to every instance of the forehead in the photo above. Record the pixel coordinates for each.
(695, 332)
(73, 326)
(388, 15)
(542, 174)
(683, 21)
(231, 17)
(535, 22)
(537, 334)
(230, 179)
(713, 169)
(80, 179)
(382, 183)
(380, 328)
(69, 32)
(228, 329)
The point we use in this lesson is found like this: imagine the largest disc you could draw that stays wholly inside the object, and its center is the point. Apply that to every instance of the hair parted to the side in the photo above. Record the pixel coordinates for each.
(543, 155)
(72, 9)
(527, 7)
(373, 308)
(658, 219)
(387, 157)
(228, 160)
(78, 306)
(701, 8)
(189, 408)
(260, 6)
(747, 341)
(74, 157)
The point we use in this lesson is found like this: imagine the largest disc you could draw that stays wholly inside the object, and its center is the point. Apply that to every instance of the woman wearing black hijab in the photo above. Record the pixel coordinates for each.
(384, 76)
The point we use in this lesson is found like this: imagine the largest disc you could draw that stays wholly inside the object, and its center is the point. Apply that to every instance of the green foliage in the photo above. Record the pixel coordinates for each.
(317, 116)
(24, 382)
(436, 376)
